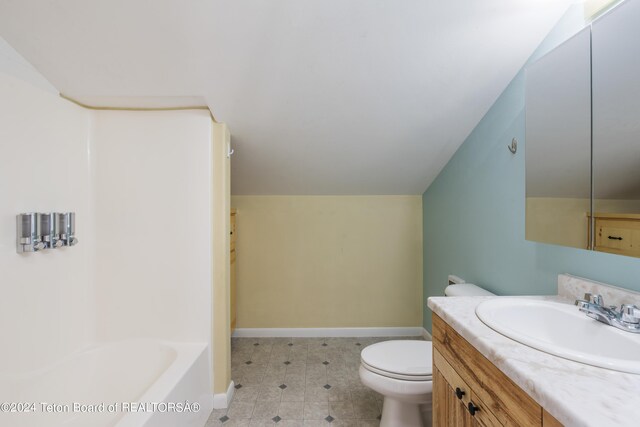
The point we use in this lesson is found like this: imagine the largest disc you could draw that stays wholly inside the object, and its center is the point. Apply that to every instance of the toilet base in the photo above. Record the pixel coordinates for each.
(401, 413)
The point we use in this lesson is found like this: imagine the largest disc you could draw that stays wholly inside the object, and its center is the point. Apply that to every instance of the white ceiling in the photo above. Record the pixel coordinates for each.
(322, 96)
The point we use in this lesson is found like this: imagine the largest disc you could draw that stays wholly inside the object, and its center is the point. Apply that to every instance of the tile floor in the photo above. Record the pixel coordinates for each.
(288, 382)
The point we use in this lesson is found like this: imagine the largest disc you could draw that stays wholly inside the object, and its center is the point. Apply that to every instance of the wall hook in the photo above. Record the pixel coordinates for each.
(514, 146)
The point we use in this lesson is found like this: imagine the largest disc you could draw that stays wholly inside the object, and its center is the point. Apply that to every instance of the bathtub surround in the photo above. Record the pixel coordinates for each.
(153, 175)
(141, 184)
(328, 262)
(153, 202)
(143, 163)
(153, 181)
(474, 212)
(47, 298)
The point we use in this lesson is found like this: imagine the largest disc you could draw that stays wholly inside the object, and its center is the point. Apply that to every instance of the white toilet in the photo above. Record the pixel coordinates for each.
(401, 372)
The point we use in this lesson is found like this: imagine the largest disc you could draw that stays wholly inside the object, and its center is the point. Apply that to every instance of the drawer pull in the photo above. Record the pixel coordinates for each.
(473, 409)
(615, 238)
(459, 393)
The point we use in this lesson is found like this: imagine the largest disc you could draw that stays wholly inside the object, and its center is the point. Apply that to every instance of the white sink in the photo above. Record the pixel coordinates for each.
(562, 330)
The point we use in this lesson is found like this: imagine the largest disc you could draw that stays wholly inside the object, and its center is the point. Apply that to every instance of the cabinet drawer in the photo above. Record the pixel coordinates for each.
(614, 238)
(500, 396)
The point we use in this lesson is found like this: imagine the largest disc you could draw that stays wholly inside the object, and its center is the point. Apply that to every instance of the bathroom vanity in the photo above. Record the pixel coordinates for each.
(470, 390)
(483, 378)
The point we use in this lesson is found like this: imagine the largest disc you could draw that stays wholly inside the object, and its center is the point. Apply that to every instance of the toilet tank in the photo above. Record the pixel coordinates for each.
(466, 290)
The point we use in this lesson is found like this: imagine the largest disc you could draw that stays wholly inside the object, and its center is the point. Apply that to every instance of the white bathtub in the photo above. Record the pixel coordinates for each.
(121, 375)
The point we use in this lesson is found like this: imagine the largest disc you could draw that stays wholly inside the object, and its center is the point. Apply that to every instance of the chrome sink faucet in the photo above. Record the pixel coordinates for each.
(627, 318)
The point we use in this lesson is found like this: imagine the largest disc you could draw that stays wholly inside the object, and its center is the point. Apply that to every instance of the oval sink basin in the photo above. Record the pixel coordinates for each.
(562, 330)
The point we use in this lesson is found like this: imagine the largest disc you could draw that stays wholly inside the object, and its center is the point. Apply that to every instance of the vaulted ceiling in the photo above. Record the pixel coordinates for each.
(321, 96)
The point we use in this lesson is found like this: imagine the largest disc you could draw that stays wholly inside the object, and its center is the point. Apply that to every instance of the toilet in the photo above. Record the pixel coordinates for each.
(401, 372)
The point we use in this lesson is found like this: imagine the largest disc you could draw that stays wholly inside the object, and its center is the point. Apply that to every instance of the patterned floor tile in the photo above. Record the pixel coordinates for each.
(292, 382)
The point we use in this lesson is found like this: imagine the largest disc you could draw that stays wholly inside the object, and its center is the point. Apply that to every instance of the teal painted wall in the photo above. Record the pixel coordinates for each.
(474, 211)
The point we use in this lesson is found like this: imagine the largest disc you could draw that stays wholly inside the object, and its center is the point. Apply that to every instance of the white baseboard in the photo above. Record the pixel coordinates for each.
(327, 332)
(426, 335)
(223, 400)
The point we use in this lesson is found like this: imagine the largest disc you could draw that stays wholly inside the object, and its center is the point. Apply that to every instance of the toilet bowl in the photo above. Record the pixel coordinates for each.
(401, 372)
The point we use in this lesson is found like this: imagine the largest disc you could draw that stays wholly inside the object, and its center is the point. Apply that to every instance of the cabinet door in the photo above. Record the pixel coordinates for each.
(233, 291)
(482, 415)
(448, 410)
(232, 226)
(232, 272)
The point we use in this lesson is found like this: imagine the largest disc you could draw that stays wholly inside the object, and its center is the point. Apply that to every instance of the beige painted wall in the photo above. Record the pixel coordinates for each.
(221, 339)
(563, 221)
(329, 261)
(558, 221)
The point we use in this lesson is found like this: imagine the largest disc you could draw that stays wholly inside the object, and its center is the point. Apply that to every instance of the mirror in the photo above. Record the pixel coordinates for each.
(558, 144)
(616, 130)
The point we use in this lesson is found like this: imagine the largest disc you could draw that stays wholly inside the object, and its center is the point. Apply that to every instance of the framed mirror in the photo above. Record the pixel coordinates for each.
(616, 130)
(558, 144)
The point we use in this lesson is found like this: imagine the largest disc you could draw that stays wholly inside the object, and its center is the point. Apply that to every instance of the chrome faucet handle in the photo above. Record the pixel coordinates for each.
(594, 299)
(629, 313)
(583, 306)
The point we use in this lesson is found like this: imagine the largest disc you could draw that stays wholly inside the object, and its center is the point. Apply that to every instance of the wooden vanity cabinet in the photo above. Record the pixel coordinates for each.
(469, 390)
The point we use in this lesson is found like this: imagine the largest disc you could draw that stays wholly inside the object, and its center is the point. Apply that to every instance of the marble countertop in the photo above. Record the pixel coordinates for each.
(574, 393)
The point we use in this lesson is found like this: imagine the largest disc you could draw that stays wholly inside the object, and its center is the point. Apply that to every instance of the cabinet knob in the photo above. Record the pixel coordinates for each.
(459, 393)
(473, 409)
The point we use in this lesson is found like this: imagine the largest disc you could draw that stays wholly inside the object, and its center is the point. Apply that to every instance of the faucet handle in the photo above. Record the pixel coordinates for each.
(629, 313)
(594, 299)
(583, 306)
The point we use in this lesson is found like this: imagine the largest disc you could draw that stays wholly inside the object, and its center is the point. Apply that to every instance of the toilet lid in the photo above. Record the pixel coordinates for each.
(410, 360)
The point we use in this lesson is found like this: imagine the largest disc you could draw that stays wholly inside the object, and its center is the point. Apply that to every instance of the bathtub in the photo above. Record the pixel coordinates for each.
(135, 383)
